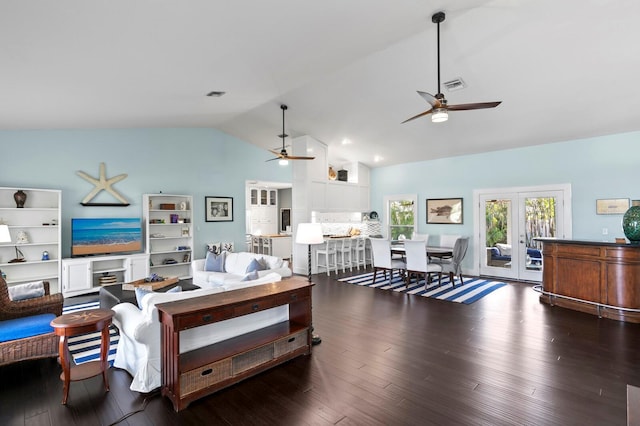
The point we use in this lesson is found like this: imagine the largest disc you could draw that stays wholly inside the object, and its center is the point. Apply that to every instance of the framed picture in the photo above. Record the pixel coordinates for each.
(444, 210)
(612, 205)
(218, 209)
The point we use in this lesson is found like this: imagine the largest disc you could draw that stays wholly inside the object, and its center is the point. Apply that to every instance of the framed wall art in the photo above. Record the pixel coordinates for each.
(444, 211)
(612, 205)
(218, 209)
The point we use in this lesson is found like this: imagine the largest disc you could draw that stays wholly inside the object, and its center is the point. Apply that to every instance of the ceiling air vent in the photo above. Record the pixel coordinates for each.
(455, 84)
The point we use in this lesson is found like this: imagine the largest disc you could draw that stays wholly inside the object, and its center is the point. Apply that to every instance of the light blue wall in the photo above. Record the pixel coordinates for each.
(197, 162)
(600, 167)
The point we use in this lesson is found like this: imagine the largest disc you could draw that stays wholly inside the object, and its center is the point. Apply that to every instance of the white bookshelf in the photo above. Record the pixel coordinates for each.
(40, 220)
(166, 241)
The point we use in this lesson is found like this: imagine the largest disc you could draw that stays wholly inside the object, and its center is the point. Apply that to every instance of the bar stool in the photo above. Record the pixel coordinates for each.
(344, 255)
(255, 244)
(328, 251)
(358, 252)
(266, 245)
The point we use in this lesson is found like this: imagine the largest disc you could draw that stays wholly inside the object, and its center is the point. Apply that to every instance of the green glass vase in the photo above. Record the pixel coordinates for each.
(631, 224)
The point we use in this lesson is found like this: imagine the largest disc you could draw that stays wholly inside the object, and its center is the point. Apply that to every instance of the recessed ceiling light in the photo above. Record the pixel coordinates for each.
(215, 94)
(346, 141)
(377, 158)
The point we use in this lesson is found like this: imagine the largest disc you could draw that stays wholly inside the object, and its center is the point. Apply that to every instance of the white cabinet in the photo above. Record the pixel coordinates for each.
(39, 221)
(281, 247)
(82, 275)
(169, 233)
(263, 210)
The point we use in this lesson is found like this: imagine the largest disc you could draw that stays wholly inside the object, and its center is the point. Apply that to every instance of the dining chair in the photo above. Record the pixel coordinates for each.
(418, 262)
(420, 237)
(382, 261)
(447, 240)
(453, 265)
(328, 251)
(358, 252)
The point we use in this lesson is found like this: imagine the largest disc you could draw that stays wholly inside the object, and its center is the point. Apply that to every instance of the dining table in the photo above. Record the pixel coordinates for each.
(431, 251)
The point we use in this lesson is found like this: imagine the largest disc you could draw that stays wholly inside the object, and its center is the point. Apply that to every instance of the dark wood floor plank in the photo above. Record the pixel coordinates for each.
(387, 358)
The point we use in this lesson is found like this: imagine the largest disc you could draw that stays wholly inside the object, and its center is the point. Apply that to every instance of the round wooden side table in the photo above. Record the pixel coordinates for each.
(76, 323)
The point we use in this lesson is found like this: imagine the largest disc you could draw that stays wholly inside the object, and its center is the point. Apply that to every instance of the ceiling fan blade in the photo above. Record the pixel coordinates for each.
(433, 101)
(295, 157)
(422, 114)
(278, 153)
(479, 105)
(273, 159)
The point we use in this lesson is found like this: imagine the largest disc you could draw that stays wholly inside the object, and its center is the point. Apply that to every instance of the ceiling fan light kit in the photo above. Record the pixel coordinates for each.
(283, 157)
(439, 115)
(439, 107)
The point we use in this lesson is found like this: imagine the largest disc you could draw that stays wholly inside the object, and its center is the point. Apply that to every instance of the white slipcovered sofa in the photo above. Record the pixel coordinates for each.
(235, 265)
(139, 349)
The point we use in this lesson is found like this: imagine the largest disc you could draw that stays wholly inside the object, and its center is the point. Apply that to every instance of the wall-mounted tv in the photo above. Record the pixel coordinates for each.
(91, 236)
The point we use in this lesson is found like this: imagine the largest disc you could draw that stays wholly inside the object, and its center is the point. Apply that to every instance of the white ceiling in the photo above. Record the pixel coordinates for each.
(346, 68)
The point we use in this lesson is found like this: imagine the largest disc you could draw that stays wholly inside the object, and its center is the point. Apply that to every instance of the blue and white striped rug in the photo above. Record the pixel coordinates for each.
(472, 290)
(86, 347)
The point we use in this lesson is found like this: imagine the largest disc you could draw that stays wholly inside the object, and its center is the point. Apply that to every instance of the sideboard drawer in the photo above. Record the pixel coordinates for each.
(291, 343)
(294, 296)
(202, 318)
(259, 305)
(205, 376)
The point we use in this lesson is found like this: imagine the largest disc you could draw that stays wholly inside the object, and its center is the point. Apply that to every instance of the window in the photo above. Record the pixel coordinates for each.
(401, 214)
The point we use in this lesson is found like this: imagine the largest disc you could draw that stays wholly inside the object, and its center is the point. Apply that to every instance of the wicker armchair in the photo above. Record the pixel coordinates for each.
(49, 303)
(34, 347)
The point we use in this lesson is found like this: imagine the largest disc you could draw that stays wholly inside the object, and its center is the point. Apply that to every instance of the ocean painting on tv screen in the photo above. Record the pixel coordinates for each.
(105, 236)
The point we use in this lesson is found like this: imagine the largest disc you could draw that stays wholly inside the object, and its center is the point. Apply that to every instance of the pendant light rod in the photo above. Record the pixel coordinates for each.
(436, 19)
(283, 107)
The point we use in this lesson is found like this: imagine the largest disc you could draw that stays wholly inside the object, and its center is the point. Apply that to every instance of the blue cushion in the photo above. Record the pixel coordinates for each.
(214, 262)
(141, 292)
(256, 265)
(253, 275)
(25, 327)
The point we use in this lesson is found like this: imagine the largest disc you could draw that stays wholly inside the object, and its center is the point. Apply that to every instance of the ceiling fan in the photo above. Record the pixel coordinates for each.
(283, 156)
(439, 108)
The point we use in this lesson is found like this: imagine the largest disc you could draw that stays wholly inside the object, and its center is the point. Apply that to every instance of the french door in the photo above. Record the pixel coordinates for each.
(510, 219)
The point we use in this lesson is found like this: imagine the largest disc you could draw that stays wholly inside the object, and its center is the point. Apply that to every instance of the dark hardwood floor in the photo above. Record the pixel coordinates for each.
(387, 358)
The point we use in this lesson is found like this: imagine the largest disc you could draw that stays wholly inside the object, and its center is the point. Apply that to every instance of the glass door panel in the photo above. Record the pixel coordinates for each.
(498, 218)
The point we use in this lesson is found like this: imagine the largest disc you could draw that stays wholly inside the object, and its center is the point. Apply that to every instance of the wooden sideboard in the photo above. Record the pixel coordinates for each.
(594, 277)
(194, 374)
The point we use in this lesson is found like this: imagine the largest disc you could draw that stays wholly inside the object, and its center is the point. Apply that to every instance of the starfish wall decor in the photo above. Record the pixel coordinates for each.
(103, 184)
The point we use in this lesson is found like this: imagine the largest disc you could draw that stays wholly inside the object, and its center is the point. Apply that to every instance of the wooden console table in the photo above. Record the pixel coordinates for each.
(194, 374)
(594, 277)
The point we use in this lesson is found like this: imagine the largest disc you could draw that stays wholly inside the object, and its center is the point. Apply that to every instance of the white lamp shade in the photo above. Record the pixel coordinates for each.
(309, 233)
(5, 237)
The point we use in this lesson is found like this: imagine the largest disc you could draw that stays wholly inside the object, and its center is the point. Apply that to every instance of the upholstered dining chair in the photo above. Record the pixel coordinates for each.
(420, 237)
(447, 240)
(453, 265)
(418, 263)
(382, 261)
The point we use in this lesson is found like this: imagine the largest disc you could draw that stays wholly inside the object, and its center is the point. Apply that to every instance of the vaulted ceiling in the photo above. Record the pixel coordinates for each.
(348, 70)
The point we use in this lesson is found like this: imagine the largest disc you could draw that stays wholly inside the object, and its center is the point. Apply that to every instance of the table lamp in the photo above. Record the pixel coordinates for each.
(5, 237)
(310, 233)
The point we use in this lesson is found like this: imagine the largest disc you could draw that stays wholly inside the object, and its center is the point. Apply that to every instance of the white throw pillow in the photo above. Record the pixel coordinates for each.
(26, 291)
(505, 249)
